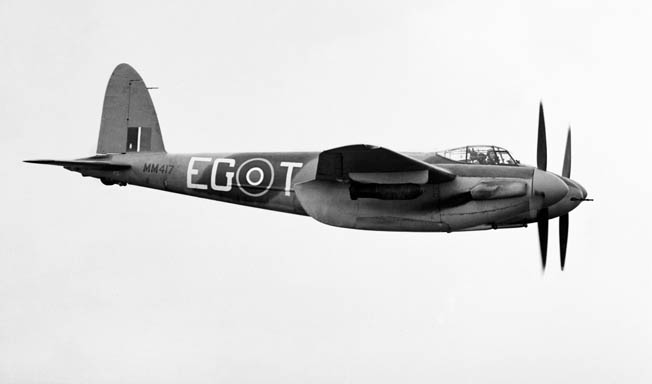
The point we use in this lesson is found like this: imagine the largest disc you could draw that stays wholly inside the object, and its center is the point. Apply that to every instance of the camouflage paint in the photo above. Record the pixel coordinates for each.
(450, 196)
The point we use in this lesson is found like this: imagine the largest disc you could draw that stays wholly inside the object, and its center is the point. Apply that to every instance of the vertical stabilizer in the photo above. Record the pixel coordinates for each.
(129, 122)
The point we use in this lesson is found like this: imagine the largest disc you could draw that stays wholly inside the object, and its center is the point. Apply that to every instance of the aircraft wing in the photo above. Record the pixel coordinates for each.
(371, 164)
(353, 182)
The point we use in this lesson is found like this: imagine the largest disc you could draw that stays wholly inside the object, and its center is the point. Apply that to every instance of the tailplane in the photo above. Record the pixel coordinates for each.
(81, 165)
(129, 122)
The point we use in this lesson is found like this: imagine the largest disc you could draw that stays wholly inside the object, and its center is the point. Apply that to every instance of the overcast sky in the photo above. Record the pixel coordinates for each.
(128, 285)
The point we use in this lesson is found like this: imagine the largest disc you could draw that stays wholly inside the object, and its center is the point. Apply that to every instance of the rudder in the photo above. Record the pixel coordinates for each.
(129, 122)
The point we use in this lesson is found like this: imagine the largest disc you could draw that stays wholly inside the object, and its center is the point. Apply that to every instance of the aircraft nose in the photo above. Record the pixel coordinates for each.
(584, 192)
(578, 192)
(551, 187)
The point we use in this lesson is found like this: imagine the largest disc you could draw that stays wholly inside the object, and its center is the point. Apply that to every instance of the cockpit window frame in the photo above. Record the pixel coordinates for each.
(480, 154)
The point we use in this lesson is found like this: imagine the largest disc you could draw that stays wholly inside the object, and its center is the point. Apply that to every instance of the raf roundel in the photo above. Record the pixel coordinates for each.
(258, 176)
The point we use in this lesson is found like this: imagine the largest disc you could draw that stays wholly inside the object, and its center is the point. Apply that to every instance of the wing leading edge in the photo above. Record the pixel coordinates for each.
(371, 164)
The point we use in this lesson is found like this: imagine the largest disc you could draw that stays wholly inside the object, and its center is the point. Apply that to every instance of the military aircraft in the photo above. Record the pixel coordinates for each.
(475, 187)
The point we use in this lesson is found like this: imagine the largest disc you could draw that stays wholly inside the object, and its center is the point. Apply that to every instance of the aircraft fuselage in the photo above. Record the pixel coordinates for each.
(269, 181)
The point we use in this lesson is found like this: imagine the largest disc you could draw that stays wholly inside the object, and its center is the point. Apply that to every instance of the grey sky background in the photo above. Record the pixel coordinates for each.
(127, 285)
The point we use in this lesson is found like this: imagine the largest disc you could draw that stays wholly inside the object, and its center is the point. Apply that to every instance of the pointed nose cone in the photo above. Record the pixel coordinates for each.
(549, 186)
(584, 193)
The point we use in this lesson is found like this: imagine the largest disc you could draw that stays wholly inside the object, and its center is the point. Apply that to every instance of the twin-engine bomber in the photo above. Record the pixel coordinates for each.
(475, 187)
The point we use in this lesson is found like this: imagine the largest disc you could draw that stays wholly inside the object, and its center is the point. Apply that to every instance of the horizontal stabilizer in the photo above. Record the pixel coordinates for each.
(76, 165)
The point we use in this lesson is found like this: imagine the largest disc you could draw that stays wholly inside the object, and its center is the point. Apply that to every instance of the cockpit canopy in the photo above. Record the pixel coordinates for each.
(479, 154)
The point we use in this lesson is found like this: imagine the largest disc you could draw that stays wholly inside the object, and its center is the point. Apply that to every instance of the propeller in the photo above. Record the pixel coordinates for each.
(563, 219)
(566, 170)
(542, 215)
(542, 223)
(542, 147)
(542, 163)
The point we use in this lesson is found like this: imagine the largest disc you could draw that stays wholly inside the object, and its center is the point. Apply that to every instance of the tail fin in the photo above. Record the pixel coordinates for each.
(129, 122)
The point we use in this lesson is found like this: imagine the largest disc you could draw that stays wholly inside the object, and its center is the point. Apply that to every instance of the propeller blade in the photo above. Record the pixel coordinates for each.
(563, 220)
(563, 238)
(566, 170)
(542, 222)
(542, 148)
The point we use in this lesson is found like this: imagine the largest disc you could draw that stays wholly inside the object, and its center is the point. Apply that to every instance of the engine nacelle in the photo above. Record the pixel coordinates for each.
(385, 191)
